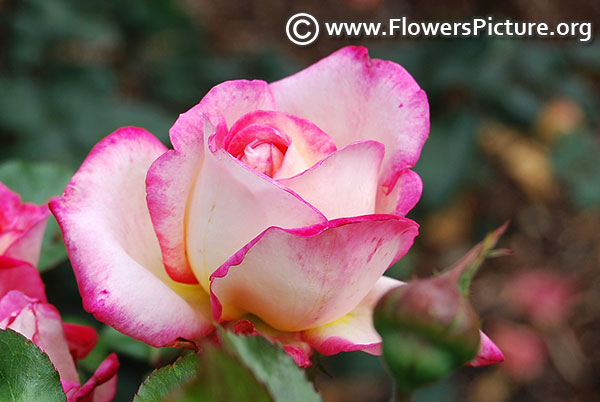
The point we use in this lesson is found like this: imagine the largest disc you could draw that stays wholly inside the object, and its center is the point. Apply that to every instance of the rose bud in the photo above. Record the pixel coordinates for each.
(428, 330)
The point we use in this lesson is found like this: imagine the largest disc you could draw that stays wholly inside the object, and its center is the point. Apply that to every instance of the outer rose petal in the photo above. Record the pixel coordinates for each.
(230, 205)
(22, 227)
(113, 248)
(102, 386)
(172, 176)
(372, 100)
(355, 330)
(345, 183)
(19, 275)
(81, 339)
(488, 353)
(302, 278)
(403, 197)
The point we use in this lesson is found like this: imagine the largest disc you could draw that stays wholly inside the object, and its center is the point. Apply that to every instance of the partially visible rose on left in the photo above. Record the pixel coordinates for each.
(24, 307)
(22, 226)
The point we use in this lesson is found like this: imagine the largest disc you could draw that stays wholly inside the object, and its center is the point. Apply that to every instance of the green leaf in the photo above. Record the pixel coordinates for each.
(223, 377)
(53, 247)
(161, 382)
(37, 182)
(243, 369)
(26, 373)
(575, 159)
(443, 172)
(271, 365)
(214, 376)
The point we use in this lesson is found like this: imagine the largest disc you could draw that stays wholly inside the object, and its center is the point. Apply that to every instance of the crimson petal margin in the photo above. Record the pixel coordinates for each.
(403, 197)
(315, 274)
(224, 103)
(113, 248)
(487, 354)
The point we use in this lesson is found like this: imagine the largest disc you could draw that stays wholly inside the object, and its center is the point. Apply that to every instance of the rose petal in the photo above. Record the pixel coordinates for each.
(224, 103)
(488, 353)
(293, 163)
(292, 342)
(403, 197)
(102, 386)
(111, 242)
(69, 388)
(345, 183)
(11, 305)
(231, 205)
(355, 330)
(302, 278)
(354, 98)
(168, 187)
(172, 176)
(81, 339)
(310, 141)
(19, 275)
(22, 227)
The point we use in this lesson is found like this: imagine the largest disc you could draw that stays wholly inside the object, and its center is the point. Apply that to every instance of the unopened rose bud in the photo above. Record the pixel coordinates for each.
(428, 330)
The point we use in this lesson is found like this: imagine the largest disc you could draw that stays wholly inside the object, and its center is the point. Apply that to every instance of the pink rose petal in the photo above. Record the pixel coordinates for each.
(352, 98)
(314, 275)
(111, 242)
(20, 275)
(22, 227)
(355, 330)
(343, 184)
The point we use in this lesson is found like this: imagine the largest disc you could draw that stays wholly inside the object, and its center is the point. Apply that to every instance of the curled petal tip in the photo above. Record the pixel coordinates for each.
(488, 353)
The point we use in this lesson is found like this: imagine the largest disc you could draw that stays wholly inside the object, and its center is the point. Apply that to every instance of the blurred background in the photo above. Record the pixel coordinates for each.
(514, 137)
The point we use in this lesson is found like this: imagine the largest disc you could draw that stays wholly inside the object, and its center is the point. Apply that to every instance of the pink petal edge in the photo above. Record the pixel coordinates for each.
(97, 213)
(382, 255)
(374, 99)
(488, 353)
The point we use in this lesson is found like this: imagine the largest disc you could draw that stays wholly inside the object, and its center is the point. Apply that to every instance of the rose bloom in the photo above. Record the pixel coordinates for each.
(278, 210)
(25, 309)
(22, 227)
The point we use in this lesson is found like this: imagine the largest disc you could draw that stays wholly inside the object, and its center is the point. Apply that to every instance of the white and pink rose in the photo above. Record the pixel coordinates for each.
(279, 207)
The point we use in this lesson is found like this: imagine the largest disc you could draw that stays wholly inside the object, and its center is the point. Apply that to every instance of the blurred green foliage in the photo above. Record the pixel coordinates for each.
(472, 81)
(241, 368)
(73, 71)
